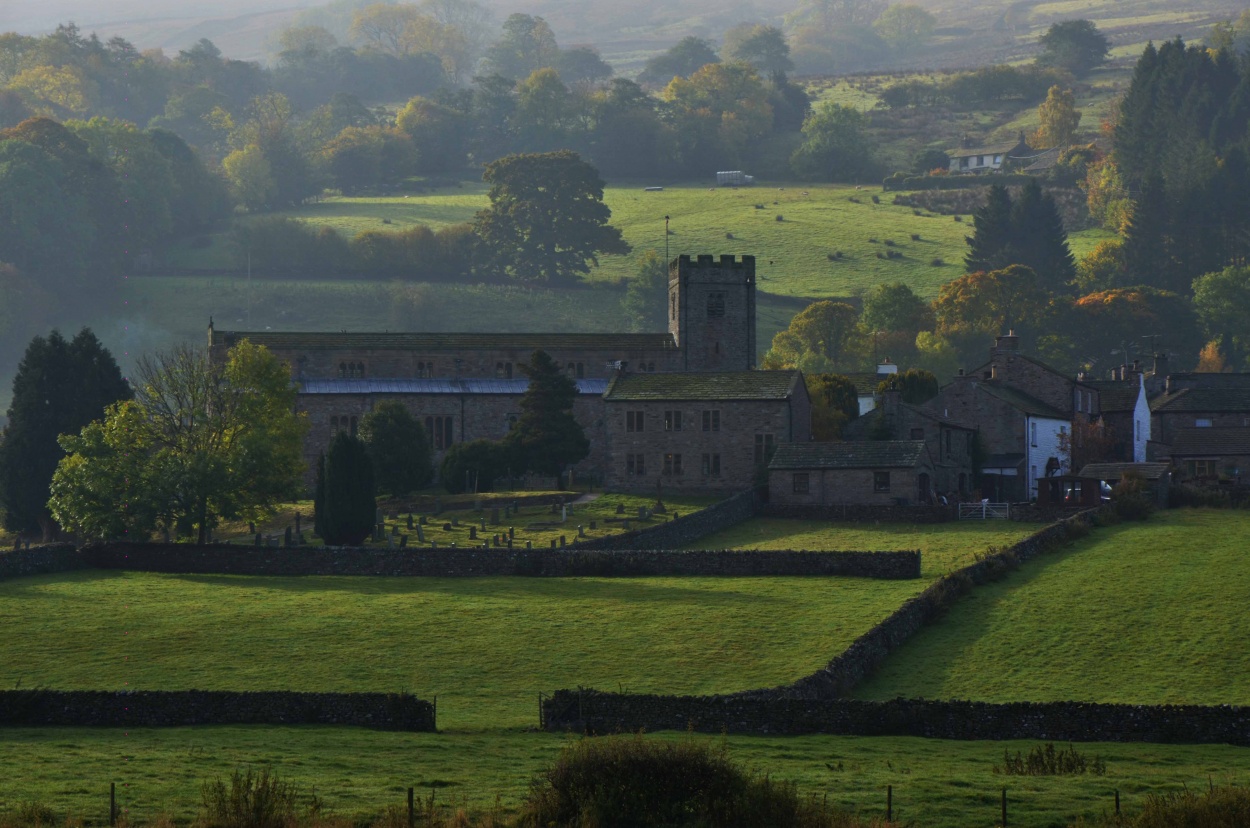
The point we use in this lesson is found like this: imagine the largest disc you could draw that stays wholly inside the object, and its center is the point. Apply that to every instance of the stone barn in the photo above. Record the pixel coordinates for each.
(859, 473)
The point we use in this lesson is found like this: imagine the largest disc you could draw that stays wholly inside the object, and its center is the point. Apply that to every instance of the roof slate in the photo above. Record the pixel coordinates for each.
(1022, 401)
(1195, 442)
(381, 341)
(735, 385)
(868, 454)
(438, 385)
(1116, 395)
(1199, 400)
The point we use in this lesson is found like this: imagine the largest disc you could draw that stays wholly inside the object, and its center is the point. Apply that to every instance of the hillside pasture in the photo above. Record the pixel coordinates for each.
(1143, 613)
(943, 546)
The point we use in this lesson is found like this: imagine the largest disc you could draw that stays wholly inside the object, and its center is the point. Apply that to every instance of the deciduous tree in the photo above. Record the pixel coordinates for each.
(904, 26)
(546, 220)
(1058, 119)
(646, 297)
(1074, 45)
(835, 402)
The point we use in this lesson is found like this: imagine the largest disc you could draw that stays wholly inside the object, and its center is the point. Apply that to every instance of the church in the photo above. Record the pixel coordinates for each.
(699, 377)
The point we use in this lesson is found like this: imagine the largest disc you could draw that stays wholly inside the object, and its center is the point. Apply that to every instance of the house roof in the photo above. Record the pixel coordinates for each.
(865, 382)
(1042, 160)
(729, 385)
(381, 341)
(1022, 401)
(1116, 395)
(988, 149)
(438, 385)
(1211, 442)
(1114, 471)
(866, 454)
(1202, 400)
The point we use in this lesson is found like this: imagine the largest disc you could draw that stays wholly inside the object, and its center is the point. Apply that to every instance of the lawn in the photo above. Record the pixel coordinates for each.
(357, 772)
(485, 646)
(1149, 613)
(943, 546)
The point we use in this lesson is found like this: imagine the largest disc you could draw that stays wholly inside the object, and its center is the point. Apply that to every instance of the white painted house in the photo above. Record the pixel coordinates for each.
(990, 158)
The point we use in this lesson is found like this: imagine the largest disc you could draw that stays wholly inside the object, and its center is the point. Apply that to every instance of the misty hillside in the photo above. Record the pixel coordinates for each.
(627, 33)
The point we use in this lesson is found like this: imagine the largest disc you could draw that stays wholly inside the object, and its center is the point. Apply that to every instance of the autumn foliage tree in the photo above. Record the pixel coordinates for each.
(835, 402)
(823, 337)
(979, 306)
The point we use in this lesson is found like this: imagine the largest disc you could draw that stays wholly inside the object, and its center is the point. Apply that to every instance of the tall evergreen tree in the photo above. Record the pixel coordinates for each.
(319, 498)
(1146, 249)
(546, 438)
(991, 234)
(349, 509)
(1038, 239)
(398, 447)
(60, 387)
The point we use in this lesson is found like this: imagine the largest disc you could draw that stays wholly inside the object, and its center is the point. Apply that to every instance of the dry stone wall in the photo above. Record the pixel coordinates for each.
(684, 530)
(40, 560)
(153, 708)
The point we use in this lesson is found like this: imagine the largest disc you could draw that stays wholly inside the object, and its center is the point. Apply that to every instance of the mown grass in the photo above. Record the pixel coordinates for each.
(1148, 613)
(355, 772)
(485, 646)
(943, 546)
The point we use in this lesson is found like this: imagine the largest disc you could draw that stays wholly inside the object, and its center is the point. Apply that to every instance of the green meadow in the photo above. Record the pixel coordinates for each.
(943, 546)
(1144, 613)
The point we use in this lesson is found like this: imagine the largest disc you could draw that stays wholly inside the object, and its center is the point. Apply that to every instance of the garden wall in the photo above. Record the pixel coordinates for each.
(152, 708)
(459, 563)
(684, 530)
(863, 513)
(594, 712)
(40, 560)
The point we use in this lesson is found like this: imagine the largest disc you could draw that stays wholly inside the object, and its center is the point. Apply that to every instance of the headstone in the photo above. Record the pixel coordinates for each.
(507, 512)
(403, 541)
(642, 512)
(420, 533)
(452, 544)
(564, 513)
(298, 523)
(482, 521)
(421, 521)
(390, 542)
(472, 533)
(434, 544)
(581, 531)
(675, 516)
(410, 520)
(511, 531)
(529, 544)
(446, 527)
(455, 521)
(286, 537)
(395, 531)
(17, 544)
(625, 524)
(509, 543)
(620, 508)
(553, 543)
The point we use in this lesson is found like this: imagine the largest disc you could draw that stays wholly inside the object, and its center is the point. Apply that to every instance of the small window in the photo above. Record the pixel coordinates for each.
(334, 425)
(439, 432)
(1033, 434)
(672, 306)
(711, 420)
(711, 465)
(672, 465)
(917, 434)
(635, 465)
(651, 367)
(715, 305)
(1200, 468)
(880, 481)
(998, 159)
(948, 444)
(1202, 422)
(633, 420)
(763, 449)
(672, 421)
(1136, 430)
(342, 369)
(802, 483)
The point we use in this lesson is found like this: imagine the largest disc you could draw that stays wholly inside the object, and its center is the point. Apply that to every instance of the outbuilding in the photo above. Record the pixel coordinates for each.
(858, 473)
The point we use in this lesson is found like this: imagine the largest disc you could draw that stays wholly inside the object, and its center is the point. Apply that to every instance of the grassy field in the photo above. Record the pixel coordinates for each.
(1145, 613)
(943, 546)
(484, 646)
(937, 784)
(792, 255)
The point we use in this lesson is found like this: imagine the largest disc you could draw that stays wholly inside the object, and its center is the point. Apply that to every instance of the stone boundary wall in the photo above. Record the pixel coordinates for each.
(594, 712)
(40, 560)
(178, 708)
(863, 513)
(684, 530)
(459, 563)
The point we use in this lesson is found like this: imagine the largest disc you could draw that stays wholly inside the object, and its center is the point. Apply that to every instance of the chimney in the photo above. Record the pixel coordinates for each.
(1007, 342)
(890, 401)
(885, 368)
(993, 371)
(1161, 365)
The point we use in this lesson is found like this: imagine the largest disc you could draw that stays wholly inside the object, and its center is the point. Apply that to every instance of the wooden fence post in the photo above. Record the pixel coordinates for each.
(112, 803)
(1004, 808)
(412, 813)
(889, 803)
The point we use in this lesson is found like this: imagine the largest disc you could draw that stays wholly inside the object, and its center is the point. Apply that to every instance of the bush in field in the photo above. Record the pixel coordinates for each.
(249, 800)
(632, 782)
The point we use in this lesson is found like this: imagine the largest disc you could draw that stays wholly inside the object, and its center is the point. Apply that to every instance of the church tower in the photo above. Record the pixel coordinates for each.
(711, 312)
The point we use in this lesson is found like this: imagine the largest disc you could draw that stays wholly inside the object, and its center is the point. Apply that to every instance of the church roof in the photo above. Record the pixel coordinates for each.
(728, 385)
(436, 385)
(382, 341)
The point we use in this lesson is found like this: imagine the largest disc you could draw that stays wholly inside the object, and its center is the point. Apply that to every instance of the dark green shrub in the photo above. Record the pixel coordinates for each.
(349, 509)
(251, 800)
(33, 814)
(1131, 499)
(398, 448)
(1187, 494)
(632, 782)
(475, 466)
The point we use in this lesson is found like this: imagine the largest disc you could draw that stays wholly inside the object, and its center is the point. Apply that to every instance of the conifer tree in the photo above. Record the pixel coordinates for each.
(546, 438)
(398, 447)
(349, 508)
(991, 233)
(1038, 239)
(1146, 254)
(60, 387)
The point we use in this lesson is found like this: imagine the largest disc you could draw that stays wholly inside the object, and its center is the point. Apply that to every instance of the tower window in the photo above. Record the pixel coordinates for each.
(715, 305)
(672, 306)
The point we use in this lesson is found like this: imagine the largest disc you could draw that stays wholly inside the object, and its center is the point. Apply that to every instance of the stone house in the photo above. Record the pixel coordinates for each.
(950, 443)
(706, 432)
(1193, 400)
(991, 158)
(1125, 412)
(1023, 411)
(851, 473)
(1215, 453)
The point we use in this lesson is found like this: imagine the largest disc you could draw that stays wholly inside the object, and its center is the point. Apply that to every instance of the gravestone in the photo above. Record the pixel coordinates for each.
(420, 533)
(581, 531)
(410, 520)
(472, 533)
(403, 541)
(620, 508)
(529, 544)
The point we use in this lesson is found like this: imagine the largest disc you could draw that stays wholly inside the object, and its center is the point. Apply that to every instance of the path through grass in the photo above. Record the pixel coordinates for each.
(1144, 613)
